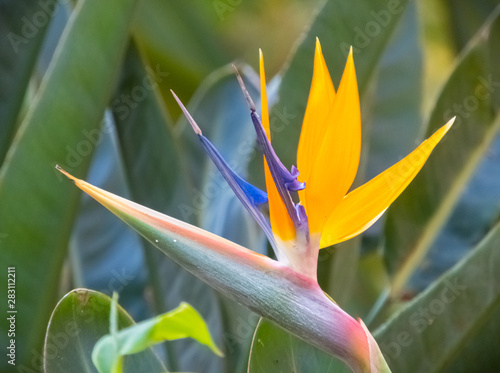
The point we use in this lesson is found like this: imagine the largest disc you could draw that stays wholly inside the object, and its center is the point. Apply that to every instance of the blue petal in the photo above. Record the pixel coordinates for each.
(248, 194)
(255, 194)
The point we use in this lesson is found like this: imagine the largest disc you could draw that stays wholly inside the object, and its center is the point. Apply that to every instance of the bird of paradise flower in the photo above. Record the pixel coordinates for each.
(325, 213)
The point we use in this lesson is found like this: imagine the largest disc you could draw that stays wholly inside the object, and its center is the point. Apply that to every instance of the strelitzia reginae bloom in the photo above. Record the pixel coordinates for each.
(309, 210)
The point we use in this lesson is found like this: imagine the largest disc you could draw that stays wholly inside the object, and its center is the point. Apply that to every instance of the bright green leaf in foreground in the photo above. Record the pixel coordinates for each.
(80, 318)
(183, 322)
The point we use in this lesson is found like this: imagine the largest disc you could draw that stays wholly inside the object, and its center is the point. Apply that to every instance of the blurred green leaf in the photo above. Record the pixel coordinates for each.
(467, 17)
(182, 322)
(173, 36)
(480, 351)
(20, 41)
(432, 330)
(37, 210)
(394, 112)
(148, 145)
(158, 175)
(79, 320)
(275, 350)
(471, 94)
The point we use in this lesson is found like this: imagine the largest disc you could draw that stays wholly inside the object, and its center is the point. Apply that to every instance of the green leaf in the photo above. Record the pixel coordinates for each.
(173, 36)
(37, 210)
(157, 174)
(20, 42)
(149, 146)
(394, 113)
(275, 350)
(466, 18)
(79, 320)
(183, 322)
(431, 331)
(471, 93)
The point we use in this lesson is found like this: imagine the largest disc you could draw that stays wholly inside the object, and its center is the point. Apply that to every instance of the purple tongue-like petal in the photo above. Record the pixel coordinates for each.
(287, 178)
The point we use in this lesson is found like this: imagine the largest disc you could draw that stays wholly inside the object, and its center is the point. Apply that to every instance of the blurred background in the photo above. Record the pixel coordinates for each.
(114, 123)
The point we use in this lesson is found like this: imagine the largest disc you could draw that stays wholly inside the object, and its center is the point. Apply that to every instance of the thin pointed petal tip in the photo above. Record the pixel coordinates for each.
(248, 98)
(318, 45)
(65, 173)
(450, 123)
(190, 119)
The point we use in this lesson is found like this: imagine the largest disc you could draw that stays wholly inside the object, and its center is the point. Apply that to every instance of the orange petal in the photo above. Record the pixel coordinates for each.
(320, 100)
(281, 223)
(333, 169)
(364, 205)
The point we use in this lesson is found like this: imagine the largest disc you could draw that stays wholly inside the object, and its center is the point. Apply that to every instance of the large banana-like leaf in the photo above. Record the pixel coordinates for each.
(37, 209)
(20, 42)
(432, 330)
(173, 37)
(466, 18)
(472, 94)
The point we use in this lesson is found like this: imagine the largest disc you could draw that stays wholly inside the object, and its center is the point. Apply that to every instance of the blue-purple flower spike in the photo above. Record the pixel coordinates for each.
(285, 181)
(248, 194)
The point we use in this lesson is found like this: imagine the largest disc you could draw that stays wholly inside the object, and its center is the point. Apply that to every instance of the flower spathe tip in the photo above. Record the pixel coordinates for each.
(65, 173)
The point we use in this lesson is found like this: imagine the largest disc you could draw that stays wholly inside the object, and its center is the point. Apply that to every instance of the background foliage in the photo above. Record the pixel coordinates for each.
(85, 84)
